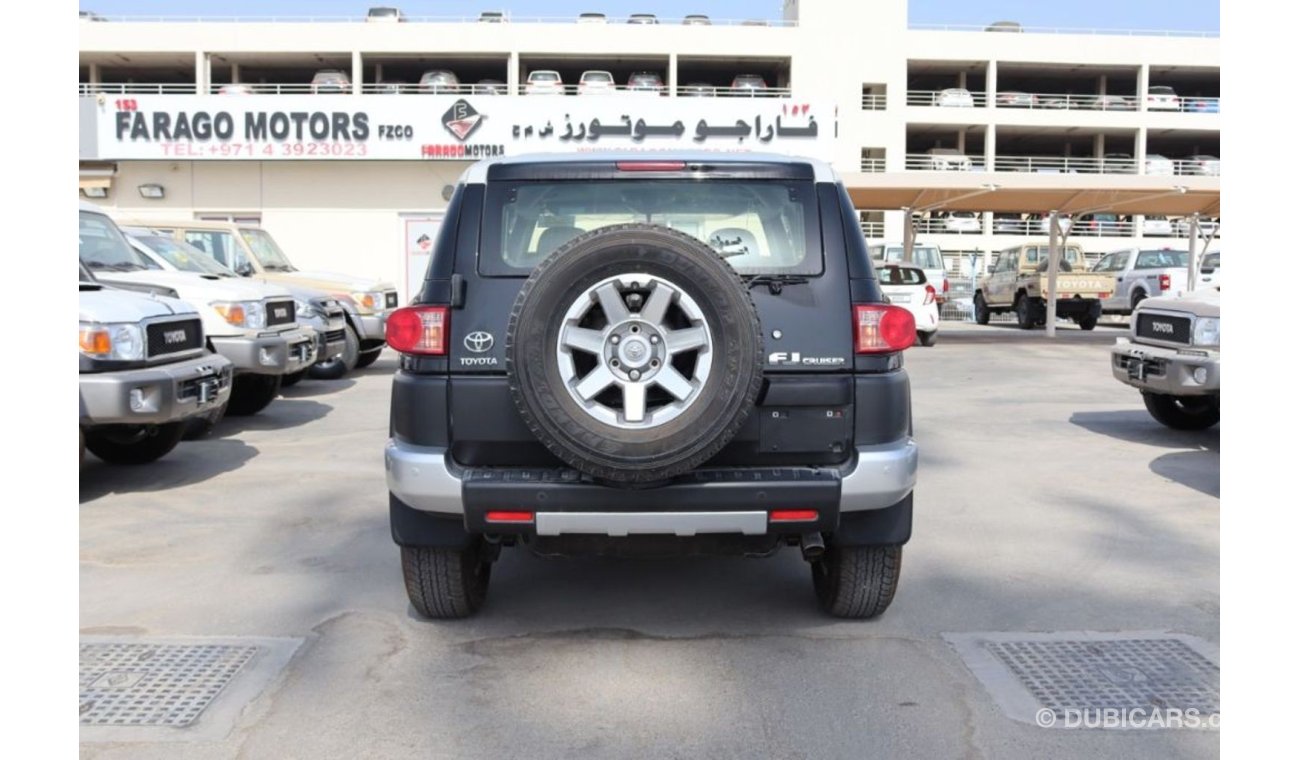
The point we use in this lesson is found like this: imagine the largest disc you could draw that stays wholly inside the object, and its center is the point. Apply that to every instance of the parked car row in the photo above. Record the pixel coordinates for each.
(182, 323)
(538, 82)
(389, 14)
(1159, 98)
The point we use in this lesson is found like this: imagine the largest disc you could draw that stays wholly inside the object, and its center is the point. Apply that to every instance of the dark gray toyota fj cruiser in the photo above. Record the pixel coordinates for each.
(651, 354)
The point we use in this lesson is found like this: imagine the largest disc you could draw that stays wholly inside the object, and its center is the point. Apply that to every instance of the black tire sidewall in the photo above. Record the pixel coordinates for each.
(651, 453)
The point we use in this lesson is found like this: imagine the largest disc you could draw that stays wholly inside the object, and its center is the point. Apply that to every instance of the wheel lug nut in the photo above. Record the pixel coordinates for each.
(614, 340)
(634, 375)
(654, 338)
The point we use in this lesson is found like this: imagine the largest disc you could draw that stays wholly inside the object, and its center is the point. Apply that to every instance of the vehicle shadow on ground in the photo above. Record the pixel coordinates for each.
(281, 414)
(190, 462)
(1195, 466)
(1010, 333)
(309, 388)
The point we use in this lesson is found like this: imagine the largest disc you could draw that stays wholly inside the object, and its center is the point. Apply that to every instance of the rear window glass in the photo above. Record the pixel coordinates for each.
(924, 256)
(1072, 255)
(758, 227)
(901, 276)
(1210, 262)
(1159, 259)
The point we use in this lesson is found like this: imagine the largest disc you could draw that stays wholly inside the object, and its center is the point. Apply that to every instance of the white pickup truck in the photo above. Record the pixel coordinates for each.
(145, 372)
(1140, 274)
(252, 324)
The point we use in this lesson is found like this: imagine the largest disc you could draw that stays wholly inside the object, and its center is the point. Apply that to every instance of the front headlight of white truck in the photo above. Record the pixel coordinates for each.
(1206, 331)
(112, 342)
(370, 301)
(248, 314)
(305, 310)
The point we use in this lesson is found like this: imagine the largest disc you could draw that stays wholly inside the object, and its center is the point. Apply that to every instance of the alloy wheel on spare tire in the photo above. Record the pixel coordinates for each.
(634, 353)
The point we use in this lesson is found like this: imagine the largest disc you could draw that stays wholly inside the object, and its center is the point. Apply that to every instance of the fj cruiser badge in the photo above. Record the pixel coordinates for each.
(461, 120)
(786, 358)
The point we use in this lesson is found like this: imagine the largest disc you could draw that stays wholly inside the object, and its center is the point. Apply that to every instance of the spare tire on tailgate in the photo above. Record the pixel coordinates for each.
(634, 353)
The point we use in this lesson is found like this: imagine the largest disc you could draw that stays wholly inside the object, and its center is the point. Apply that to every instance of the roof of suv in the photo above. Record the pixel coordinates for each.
(477, 173)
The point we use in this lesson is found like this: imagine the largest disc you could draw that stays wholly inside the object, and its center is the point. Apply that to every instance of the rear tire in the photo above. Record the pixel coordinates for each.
(1183, 412)
(446, 584)
(981, 310)
(369, 357)
(250, 394)
(291, 379)
(1024, 313)
(1087, 322)
(1138, 297)
(927, 339)
(339, 366)
(857, 581)
(133, 444)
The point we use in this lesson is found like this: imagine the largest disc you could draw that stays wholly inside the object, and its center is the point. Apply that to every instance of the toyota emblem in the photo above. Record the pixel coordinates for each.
(479, 341)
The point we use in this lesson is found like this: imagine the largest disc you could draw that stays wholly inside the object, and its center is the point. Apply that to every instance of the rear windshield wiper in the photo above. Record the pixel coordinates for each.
(774, 282)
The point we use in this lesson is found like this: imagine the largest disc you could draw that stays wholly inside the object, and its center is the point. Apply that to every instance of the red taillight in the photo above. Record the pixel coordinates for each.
(792, 515)
(650, 166)
(929, 295)
(509, 517)
(418, 330)
(1164, 282)
(881, 328)
(945, 286)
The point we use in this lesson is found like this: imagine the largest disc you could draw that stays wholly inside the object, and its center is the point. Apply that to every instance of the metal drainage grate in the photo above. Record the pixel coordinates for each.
(1074, 673)
(154, 684)
(1124, 674)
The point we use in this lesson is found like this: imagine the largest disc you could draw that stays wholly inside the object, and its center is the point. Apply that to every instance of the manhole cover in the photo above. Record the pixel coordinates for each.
(154, 684)
(167, 684)
(1096, 680)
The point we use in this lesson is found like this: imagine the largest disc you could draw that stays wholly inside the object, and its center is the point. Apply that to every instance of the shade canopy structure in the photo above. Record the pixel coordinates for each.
(1024, 192)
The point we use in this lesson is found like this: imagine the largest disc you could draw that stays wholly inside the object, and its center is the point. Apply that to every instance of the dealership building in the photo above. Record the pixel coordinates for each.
(975, 132)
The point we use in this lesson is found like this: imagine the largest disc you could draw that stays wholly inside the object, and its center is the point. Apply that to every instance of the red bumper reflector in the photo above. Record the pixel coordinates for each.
(792, 515)
(510, 517)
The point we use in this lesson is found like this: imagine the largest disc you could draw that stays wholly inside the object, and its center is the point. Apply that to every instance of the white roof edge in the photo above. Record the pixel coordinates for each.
(476, 174)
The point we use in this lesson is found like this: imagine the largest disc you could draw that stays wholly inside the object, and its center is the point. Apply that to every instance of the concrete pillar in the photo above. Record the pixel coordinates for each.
(358, 73)
(672, 75)
(990, 138)
(1144, 84)
(961, 79)
(512, 74)
(234, 73)
(1053, 267)
(909, 235)
(991, 84)
(379, 73)
(202, 72)
(94, 74)
(961, 140)
(1098, 145)
(1140, 150)
(1101, 85)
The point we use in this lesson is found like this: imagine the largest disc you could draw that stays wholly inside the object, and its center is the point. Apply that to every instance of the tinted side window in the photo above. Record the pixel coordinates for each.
(219, 245)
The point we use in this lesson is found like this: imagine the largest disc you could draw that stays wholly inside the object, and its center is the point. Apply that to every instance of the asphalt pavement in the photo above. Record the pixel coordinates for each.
(1048, 500)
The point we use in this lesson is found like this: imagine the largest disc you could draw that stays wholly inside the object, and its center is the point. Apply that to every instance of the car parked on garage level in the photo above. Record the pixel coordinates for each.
(924, 255)
(251, 252)
(236, 89)
(1111, 103)
(1201, 164)
(493, 17)
(696, 19)
(907, 286)
(1018, 282)
(1141, 274)
(1162, 98)
(592, 18)
(330, 82)
(313, 308)
(948, 160)
(1004, 26)
(954, 97)
(490, 87)
(544, 82)
(697, 90)
(1157, 226)
(145, 371)
(648, 352)
(439, 81)
(642, 18)
(646, 82)
(749, 84)
(962, 221)
(1172, 357)
(596, 83)
(384, 14)
(1159, 165)
(1015, 99)
(252, 324)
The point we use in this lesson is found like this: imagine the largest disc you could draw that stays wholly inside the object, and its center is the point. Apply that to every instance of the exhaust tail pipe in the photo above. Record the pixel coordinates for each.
(812, 546)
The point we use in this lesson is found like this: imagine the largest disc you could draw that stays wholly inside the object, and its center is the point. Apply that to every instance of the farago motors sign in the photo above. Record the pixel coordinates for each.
(447, 127)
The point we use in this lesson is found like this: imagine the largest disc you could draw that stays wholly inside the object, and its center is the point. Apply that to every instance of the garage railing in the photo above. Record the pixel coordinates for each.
(1065, 165)
(873, 165)
(1093, 102)
(871, 230)
(136, 88)
(871, 102)
(952, 98)
(944, 162)
(951, 225)
(1064, 30)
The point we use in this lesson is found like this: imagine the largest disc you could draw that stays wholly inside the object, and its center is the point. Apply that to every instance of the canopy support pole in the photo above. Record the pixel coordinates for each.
(909, 235)
(1053, 266)
(1193, 237)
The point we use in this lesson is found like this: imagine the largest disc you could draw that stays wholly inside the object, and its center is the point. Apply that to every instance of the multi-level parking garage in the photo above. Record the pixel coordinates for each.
(978, 134)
